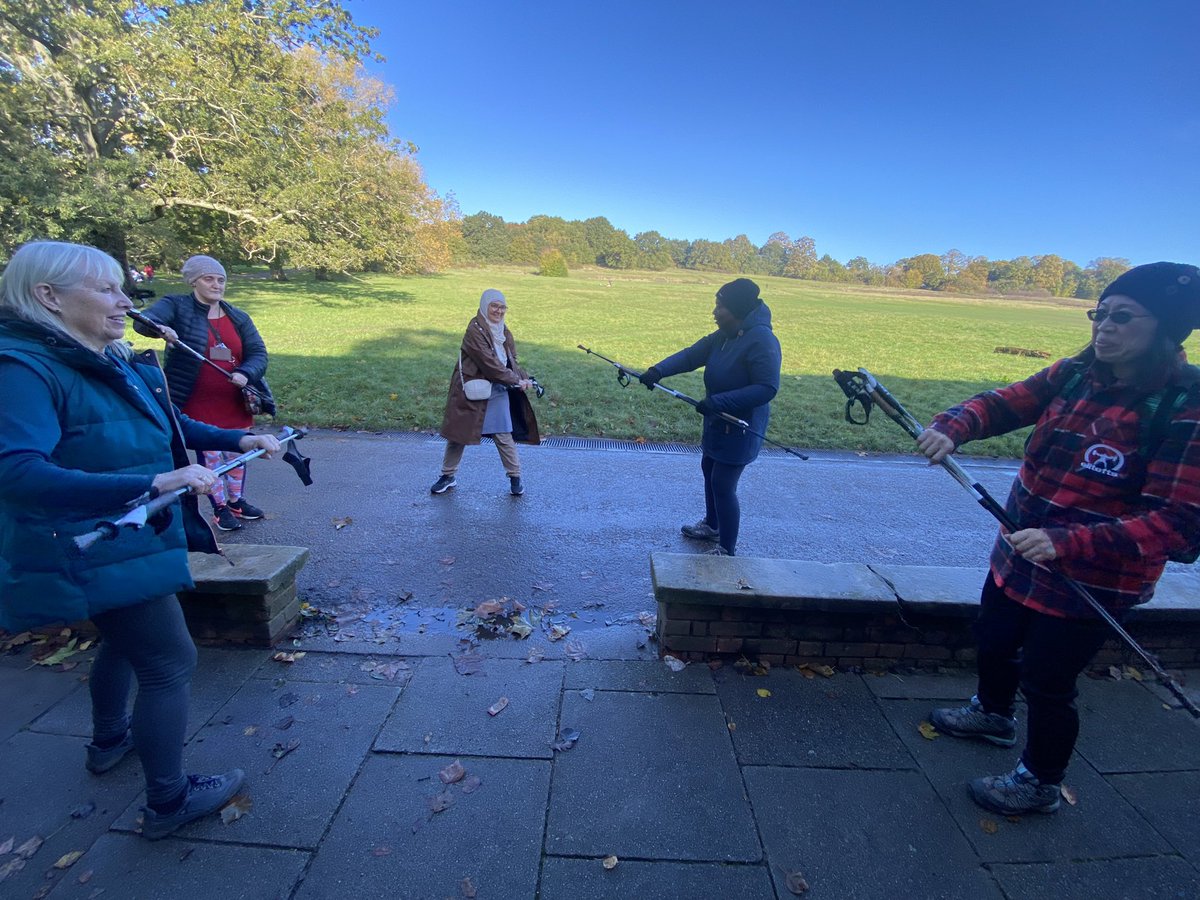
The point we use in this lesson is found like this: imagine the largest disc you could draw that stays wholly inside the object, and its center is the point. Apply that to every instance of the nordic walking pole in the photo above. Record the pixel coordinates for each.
(624, 374)
(107, 530)
(862, 387)
(196, 354)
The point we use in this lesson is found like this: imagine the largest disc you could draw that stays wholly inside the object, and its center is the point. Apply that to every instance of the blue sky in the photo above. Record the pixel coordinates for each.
(881, 129)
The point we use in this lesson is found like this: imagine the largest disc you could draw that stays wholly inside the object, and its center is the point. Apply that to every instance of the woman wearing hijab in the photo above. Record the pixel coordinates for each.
(1109, 490)
(488, 352)
(741, 361)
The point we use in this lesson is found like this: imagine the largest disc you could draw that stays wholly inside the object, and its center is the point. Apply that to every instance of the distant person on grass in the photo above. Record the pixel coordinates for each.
(741, 362)
(504, 413)
(226, 335)
(86, 429)
(1109, 490)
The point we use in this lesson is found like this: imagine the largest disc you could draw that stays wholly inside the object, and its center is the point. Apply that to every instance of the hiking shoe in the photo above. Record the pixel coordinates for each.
(717, 551)
(443, 484)
(244, 510)
(972, 721)
(1015, 793)
(205, 794)
(101, 759)
(224, 519)
(514, 485)
(701, 531)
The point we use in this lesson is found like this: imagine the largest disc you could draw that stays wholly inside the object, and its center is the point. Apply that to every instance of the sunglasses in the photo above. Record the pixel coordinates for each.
(1120, 317)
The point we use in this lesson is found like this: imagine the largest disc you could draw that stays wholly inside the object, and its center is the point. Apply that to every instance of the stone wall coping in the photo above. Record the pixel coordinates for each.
(257, 569)
(742, 581)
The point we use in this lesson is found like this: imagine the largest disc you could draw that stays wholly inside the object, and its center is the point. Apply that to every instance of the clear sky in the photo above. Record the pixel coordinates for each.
(882, 129)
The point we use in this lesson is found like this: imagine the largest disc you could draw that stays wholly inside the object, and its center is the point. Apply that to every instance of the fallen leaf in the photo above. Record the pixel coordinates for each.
(806, 670)
(988, 826)
(827, 671)
(536, 655)
(382, 850)
(468, 664)
(86, 645)
(795, 883)
(1114, 673)
(6, 847)
(575, 650)
(447, 560)
(12, 867)
(496, 708)
(236, 808)
(1069, 795)
(59, 655)
(744, 585)
(674, 663)
(647, 619)
(285, 723)
(86, 876)
(283, 657)
(732, 726)
(452, 773)
(468, 889)
(488, 608)
(471, 784)
(250, 730)
(589, 694)
(566, 739)
(68, 859)
(543, 586)
(340, 522)
(30, 847)
(439, 802)
(558, 632)
(609, 862)
(763, 692)
(927, 731)
(82, 811)
(44, 891)
(288, 699)
(1135, 674)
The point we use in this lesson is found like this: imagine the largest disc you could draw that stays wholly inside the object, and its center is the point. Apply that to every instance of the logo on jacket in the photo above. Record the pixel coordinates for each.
(1103, 460)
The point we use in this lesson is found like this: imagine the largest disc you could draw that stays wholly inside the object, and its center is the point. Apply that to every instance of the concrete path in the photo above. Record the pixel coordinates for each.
(701, 783)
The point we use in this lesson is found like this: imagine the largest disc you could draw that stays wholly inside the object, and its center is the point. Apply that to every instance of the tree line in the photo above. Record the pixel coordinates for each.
(487, 238)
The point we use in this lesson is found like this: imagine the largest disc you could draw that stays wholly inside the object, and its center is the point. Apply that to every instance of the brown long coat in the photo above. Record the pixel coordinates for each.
(463, 419)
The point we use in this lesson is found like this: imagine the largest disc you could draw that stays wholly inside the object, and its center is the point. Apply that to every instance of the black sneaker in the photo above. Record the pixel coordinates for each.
(244, 510)
(205, 794)
(100, 760)
(701, 531)
(443, 484)
(1015, 793)
(514, 485)
(224, 519)
(972, 721)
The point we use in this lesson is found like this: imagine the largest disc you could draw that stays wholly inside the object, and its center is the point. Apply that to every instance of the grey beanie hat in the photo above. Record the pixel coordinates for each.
(197, 266)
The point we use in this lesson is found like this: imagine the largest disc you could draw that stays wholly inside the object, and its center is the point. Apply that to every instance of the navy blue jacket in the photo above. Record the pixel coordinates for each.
(81, 437)
(741, 376)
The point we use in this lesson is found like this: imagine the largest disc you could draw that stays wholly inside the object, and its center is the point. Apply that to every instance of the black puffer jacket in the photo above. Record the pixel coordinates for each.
(189, 317)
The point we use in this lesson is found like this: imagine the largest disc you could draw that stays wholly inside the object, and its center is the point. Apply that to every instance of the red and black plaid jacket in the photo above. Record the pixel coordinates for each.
(1112, 516)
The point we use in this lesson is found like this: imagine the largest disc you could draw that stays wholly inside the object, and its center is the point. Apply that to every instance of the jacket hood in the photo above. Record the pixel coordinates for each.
(759, 317)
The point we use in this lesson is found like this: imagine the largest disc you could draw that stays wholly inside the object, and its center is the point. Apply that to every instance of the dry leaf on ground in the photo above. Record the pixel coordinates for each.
(988, 826)
(575, 650)
(236, 808)
(283, 657)
(566, 739)
(609, 862)
(68, 859)
(468, 889)
(471, 784)
(674, 663)
(558, 632)
(452, 773)
(928, 731)
(496, 708)
(1069, 794)
(30, 847)
(439, 802)
(795, 883)
(468, 664)
(381, 850)
(763, 692)
(489, 608)
(340, 522)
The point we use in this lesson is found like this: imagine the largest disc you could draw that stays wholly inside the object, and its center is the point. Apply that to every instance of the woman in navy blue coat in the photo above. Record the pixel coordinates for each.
(741, 361)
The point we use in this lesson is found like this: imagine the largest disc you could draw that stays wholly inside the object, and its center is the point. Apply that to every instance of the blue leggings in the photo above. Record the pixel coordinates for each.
(721, 509)
(149, 641)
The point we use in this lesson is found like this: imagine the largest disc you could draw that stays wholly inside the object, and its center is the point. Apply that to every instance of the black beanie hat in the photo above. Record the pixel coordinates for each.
(1169, 291)
(739, 296)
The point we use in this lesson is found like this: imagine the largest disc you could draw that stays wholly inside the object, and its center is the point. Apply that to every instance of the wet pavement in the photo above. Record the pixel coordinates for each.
(606, 774)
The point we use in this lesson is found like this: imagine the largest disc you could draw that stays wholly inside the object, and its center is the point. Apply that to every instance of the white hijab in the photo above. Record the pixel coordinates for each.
(491, 295)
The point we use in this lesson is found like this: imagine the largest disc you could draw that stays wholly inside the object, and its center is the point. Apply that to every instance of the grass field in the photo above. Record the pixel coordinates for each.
(376, 352)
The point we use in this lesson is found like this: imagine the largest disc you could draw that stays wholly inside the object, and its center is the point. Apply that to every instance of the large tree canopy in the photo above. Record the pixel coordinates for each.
(240, 126)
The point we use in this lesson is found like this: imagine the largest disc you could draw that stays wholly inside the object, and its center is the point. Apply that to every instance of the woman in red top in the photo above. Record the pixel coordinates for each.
(227, 337)
(1108, 491)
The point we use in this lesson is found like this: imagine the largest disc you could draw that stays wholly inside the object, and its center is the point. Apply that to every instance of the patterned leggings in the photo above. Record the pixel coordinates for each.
(229, 485)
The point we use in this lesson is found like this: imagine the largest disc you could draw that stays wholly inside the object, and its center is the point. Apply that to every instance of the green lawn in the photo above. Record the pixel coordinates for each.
(376, 352)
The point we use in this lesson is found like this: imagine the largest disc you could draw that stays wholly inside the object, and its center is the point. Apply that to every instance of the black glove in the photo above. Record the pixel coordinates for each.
(705, 408)
(650, 378)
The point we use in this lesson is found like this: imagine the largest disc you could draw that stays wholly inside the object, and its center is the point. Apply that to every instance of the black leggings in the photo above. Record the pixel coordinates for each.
(1044, 655)
(721, 509)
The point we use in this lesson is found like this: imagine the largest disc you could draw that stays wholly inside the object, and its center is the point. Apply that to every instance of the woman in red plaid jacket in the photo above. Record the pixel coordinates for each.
(1109, 489)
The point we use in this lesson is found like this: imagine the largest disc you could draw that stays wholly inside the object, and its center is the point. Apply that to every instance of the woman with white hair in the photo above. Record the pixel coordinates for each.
(489, 353)
(227, 337)
(86, 430)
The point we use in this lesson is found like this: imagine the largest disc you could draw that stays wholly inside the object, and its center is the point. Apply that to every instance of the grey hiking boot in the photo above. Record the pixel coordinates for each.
(717, 551)
(972, 721)
(701, 531)
(100, 760)
(514, 485)
(1015, 793)
(443, 484)
(205, 794)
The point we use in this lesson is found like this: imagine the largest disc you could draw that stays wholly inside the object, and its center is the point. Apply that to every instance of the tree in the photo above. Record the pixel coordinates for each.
(1048, 273)
(553, 232)
(743, 253)
(709, 256)
(801, 258)
(486, 237)
(654, 252)
(553, 264)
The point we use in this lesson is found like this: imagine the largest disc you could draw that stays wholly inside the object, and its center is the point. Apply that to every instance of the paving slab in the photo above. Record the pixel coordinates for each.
(863, 835)
(587, 879)
(294, 795)
(386, 842)
(1159, 878)
(1072, 833)
(338, 668)
(219, 673)
(451, 710)
(661, 768)
(127, 867)
(1171, 803)
(42, 782)
(639, 676)
(954, 688)
(1124, 728)
(808, 721)
(30, 693)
